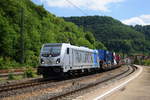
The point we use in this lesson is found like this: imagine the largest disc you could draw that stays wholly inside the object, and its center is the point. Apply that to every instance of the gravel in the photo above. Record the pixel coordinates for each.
(52, 89)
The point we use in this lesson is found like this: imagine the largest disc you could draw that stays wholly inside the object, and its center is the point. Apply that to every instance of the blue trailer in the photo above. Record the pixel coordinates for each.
(105, 59)
(96, 59)
(102, 55)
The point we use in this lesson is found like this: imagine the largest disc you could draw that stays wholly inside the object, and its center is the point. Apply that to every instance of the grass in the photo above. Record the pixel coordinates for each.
(29, 73)
(11, 76)
(146, 62)
(1, 79)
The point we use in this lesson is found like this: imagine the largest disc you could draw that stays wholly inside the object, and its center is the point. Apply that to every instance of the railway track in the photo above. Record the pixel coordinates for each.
(123, 74)
(11, 70)
(30, 83)
(75, 84)
(5, 73)
(34, 82)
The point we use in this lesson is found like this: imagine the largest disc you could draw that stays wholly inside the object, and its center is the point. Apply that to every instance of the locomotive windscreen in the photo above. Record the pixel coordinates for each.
(53, 50)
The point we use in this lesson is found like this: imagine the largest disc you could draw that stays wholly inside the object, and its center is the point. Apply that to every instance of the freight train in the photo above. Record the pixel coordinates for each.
(63, 58)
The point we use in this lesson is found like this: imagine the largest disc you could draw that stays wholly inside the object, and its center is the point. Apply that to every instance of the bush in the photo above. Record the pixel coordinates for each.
(84, 43)
(29, 73)
(31, 59)
(146, 62)
(11, 76)
(7, 63)
(137, 61)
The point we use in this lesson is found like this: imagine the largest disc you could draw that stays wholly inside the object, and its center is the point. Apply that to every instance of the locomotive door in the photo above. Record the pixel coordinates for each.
(69, 57)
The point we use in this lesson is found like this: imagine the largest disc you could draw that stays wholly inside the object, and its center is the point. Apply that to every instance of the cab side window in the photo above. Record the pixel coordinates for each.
(67, 50)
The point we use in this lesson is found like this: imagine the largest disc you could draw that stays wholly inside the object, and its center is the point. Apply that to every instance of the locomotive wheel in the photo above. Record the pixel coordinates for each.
(46, 76)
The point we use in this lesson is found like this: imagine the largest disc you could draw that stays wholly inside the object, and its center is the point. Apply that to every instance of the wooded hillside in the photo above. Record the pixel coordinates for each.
(115, 35)
(37, 26)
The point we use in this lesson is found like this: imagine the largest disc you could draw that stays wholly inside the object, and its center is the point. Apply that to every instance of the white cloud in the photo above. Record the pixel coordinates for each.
(140, 20)
(101, 5)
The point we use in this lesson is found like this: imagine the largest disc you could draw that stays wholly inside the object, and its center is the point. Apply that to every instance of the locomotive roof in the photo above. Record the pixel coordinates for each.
(56, 43)
(81, 48)
(71, 46)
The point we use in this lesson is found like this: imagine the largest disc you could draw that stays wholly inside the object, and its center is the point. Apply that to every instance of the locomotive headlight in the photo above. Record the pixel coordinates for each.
(58, 61)
(42, 61)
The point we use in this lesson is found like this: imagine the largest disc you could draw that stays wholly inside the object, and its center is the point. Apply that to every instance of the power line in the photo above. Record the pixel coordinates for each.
(77, 7)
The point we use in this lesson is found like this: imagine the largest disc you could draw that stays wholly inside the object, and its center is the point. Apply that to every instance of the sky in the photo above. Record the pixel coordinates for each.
(130, 12)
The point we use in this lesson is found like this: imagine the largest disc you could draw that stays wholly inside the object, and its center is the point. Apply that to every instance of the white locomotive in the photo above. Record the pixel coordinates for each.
(60, 58)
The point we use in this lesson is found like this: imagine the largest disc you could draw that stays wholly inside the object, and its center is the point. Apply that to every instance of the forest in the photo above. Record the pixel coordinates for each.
(25, 26)
(115, 35)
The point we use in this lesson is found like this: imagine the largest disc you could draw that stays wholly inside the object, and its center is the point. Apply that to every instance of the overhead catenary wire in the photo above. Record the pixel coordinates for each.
(77, 7)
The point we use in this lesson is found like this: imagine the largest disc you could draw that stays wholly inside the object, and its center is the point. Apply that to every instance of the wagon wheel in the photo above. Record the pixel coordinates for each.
(102, 65)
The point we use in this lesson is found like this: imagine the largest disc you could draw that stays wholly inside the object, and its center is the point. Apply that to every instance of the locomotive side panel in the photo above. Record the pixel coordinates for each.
(81, 59)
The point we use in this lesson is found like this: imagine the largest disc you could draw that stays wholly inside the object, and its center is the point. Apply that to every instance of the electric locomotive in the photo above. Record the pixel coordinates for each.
(61, 58)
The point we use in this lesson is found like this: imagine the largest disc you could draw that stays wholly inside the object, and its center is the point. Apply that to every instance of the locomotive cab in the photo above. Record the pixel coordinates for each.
(50, 55)
(50, 59)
